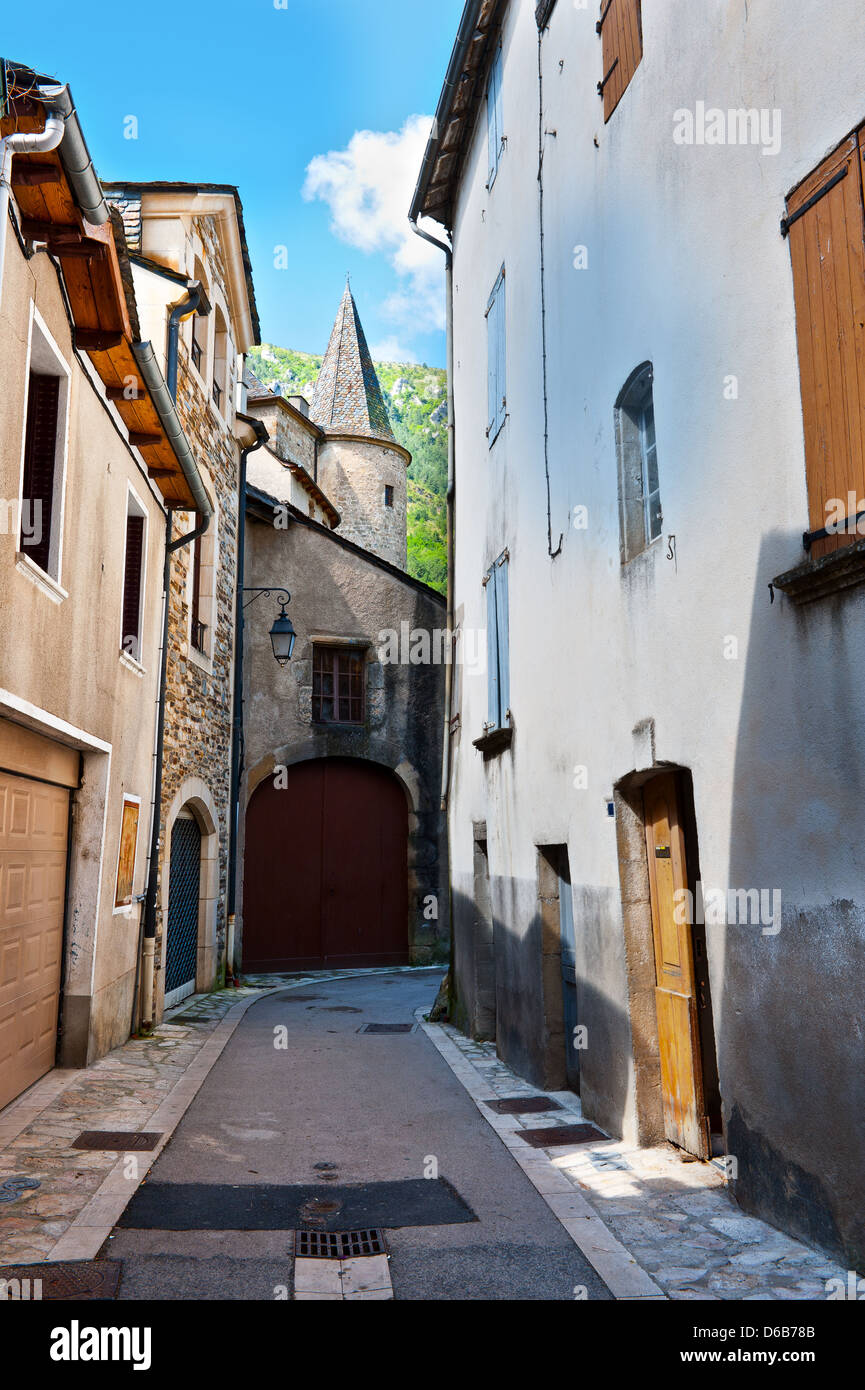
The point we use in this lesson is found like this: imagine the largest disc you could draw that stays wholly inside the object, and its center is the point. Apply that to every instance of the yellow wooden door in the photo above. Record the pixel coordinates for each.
(34, 821)
(685, 1121)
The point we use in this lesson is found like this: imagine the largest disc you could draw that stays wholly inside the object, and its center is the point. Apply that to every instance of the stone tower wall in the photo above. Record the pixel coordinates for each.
(353, 473)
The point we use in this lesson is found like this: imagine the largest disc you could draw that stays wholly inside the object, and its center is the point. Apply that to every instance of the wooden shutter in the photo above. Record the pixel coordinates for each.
(503, 618)
(826, 247)
(492, 653)
(495, 128)
(40, 453)
(132, 586)
(621, 30)
(496, 359)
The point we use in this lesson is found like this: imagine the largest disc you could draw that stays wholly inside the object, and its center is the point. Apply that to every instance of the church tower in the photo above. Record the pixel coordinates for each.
(361, 467)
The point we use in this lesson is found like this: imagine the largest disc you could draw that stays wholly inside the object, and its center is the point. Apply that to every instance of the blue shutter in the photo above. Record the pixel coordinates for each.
(501, 583)
(492, 366)
(492, 652)
(501, 348)
(494, 117)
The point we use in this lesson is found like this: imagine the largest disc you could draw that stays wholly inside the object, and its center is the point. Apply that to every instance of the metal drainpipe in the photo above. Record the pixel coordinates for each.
(180, 311)
(164, 402)
(22, 143)
(261, 436)
(451, 512)
(451, 503)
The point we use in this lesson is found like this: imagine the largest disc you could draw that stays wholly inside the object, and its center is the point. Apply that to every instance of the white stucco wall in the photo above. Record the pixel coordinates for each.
(686, 269)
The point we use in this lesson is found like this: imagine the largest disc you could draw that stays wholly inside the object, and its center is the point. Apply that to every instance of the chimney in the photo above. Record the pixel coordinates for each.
(300, 403)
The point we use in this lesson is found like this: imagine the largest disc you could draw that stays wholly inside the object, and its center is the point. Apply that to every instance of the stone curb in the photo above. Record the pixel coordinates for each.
(623, 1276)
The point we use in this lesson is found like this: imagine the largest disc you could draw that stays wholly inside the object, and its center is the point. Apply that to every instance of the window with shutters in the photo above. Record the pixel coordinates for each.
(621, 29)
(495, 130)
(640, 511)
(496, 360)
(44, 453)
(133, 579)
(498, 655)
(338, 685)
(201, 585)
(825, 227)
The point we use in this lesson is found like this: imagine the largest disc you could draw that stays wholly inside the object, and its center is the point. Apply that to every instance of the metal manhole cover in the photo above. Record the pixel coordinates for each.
(121, 1141)
(338, 1245)
(387, 1028)
(70, 1280)
(557, 1136)
(522, 1105)
(317, 1210)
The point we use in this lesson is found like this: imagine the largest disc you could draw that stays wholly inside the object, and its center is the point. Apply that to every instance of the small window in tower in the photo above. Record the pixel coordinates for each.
(388, 495)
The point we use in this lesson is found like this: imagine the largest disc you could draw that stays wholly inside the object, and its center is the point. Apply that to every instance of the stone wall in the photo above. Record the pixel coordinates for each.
(354, 472)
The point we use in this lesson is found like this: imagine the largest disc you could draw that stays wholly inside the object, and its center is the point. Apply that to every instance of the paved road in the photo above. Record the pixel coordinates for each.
(376, 1107)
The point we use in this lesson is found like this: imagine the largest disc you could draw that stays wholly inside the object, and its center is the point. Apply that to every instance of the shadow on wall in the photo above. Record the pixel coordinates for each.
(791, 1016)
(529, 1001)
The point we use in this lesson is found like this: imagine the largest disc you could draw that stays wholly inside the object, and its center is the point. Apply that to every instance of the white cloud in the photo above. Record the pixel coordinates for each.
(392, 350)
(368, 187)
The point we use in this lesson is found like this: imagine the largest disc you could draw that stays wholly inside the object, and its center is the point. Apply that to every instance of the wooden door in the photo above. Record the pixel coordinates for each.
(326, 869)
(685, 1121)
(34, 820)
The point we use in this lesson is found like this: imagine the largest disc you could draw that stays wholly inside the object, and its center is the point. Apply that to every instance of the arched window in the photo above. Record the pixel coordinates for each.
(639, 488)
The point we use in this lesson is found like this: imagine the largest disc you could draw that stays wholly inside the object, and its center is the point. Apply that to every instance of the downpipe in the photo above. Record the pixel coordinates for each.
(22, 142)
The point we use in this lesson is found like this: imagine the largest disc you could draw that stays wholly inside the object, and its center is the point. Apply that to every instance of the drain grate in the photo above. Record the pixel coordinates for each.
(387, 1028)
(117, 1140)
(522, 1105)
(338, 1245)
(557, 1136)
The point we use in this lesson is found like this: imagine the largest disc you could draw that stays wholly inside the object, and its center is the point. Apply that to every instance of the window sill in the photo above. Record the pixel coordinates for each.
(131, 664)
(832, 574)
(494, 741)
(201, 660)
(37, 576)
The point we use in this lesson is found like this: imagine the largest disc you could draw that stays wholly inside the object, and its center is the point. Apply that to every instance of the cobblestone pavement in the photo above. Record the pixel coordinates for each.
(145, 1084)
(676, 1218)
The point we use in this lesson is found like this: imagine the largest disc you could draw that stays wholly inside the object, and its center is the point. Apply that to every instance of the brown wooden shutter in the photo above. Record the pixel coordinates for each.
(621, 30)
(826, 246)
(132, 586)
(40, 450)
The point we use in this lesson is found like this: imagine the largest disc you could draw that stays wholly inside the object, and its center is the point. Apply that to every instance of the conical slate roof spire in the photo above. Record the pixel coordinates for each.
(347, 394)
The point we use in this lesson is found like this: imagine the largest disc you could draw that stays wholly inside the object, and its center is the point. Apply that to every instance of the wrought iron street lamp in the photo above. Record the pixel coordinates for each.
(282, 634)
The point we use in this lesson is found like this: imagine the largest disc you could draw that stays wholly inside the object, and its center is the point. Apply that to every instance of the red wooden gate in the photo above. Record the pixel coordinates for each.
(326, 869)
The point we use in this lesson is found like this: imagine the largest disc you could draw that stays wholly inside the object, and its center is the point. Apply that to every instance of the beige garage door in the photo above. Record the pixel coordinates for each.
(34, 818)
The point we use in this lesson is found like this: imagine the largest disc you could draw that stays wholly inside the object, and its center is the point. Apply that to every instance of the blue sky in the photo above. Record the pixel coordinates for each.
(238, 91)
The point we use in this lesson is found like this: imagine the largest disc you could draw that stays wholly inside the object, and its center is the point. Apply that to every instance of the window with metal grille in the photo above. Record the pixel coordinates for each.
(621, 29)
(496, 359)
(495, 123)
(825, 226)
(640, 511)
(133, 577)
(498, 645)
(40, 458)
(337, 686)
(388, 495)
(217, 395)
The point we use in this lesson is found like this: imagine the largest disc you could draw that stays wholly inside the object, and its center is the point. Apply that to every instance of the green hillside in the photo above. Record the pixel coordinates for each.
(416, 398)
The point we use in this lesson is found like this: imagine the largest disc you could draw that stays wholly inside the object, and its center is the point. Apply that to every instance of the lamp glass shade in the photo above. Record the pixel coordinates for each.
(283, 638)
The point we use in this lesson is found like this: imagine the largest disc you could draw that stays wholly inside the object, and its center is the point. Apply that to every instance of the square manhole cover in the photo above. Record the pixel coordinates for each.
(338, 1245)
(387, 1028)
(117, 1140)
(523, 1105)
(557, 1136)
